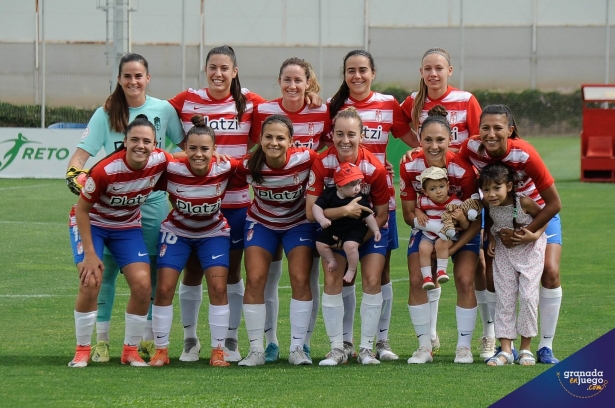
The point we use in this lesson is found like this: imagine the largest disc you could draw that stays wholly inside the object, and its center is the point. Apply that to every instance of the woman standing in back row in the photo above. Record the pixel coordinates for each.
(463, 117)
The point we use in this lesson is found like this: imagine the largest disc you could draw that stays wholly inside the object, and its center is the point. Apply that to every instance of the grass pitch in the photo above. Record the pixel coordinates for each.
(38, 286)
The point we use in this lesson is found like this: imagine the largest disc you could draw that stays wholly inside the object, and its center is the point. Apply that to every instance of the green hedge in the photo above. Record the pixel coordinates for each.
(536, 112)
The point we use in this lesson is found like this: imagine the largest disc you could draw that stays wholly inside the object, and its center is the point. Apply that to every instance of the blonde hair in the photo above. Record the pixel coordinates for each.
(421, 95)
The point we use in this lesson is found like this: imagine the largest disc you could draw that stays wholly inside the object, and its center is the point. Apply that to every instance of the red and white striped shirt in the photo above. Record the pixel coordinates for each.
(461, 176)
(279, 202)
(221, 116)
(374, 182)
(521, 157)
(309, 125)
(117, 191)
(434, 210)
(463, 113)
(380, 114)
(196, 200)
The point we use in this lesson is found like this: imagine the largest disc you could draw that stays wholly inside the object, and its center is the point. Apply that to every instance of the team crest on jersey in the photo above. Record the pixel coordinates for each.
(378, 115)
(85, 133)
(218, 189)
(311, 129)
(157, 123)
(250, 235)
(163, 250)
(452, 117)
(296, 178)
(152, 181)
(90, 185)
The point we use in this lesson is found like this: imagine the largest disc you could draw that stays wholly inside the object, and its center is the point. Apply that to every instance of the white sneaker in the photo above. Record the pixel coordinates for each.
(463, 355)
(192, 347)
(435, 344)
(487, 347)
(366, 356)
(384, 352)
(253, 359)
(421, 356)
(231, 351)
(334, 357)
(298, 357)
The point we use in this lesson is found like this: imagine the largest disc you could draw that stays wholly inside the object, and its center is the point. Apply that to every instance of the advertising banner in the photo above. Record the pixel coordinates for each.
(38, 153)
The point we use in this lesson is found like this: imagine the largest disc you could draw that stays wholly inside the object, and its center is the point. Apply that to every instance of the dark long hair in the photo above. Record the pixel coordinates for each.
(338, 100)
(500, 173)
(238, 96)
(257, 157)
(116, 105)
(500, 110)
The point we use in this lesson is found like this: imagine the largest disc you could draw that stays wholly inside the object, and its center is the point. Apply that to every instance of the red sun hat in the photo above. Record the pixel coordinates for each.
(345, 173)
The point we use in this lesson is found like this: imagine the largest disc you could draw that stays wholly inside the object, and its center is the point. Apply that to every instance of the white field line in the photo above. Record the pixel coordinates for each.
(72, 295)
(20, 187)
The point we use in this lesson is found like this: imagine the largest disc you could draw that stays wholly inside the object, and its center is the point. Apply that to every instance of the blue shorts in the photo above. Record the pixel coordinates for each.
(393, 235)
(415, 238)
(554, 231)
(236, 218)
(370, 246)
(173, 251)
(258, 235)
(126, 245)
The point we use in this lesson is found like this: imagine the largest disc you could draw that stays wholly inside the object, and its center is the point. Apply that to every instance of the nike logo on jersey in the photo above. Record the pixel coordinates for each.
(236, 240)
(140, 254)
(379, 246)
(216, 256)
(304, 239)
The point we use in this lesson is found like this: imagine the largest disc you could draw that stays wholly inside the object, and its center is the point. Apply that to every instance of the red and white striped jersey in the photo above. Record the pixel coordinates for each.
(196, 200)
(380, 114)
(461, 176)
(374, 183)
(221, 116)
(434, 210)
(117, 191)
(463, 113)
(521, 157)
(279, 202)
(309, 125)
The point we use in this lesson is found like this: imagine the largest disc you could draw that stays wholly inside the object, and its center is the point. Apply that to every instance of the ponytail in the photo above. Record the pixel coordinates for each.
(339, 99)
(238, 96)
(421, 95)
(200, 128)
(116, 105)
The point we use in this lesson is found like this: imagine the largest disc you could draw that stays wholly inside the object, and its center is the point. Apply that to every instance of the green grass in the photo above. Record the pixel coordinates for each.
(39, 284)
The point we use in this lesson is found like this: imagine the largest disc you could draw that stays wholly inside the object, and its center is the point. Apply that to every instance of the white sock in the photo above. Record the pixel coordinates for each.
(162, 319)
(134, 328)
(190, 299)
(350, 305)
(483, 308)
(272, 302)
(300, 311)
(433, 296)
(371, 306)
(492, 299)
(385, 315)
(420, 317)
(102, 331)
(426, 271)
(548, 306)
(254, 316)
(441, 264)
(333, 315)
(315, 288)
(235, 303)
(148, 333)
(84, 327)
(466, 321)
(218, 324)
